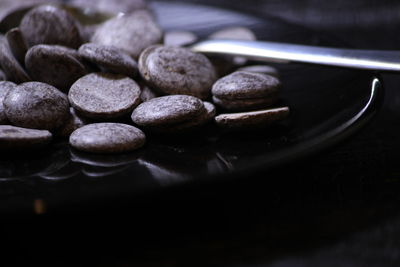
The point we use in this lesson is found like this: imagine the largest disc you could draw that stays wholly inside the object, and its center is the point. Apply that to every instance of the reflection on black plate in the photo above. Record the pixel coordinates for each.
(326, 106)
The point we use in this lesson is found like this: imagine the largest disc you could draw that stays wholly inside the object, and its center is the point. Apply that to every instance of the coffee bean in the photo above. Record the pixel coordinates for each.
(245, 104)
(12, 137)
(131, 32)
(56, 65)
(104, 95)
(36, 105)
(179, 38)
(73, 122)
(10, 66)
(4, 88)
(246, 120)
(17, 44)
(262, 69)
(50, 25)
(167, 110)
(110, 58)
(107, 138)
(177, 70)
(112, 7)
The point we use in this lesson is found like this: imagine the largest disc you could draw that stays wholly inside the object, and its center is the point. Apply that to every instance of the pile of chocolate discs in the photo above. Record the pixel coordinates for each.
(104, 86)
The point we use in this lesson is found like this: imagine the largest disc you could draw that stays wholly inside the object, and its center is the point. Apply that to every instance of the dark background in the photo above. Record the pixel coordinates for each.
(339, 208)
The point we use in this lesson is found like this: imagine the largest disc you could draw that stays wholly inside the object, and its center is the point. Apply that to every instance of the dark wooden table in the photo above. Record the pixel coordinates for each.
(339, 208)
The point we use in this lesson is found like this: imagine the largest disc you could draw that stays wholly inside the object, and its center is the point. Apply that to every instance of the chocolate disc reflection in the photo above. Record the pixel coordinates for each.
(104, 160)
(26, 164)
(67, 171)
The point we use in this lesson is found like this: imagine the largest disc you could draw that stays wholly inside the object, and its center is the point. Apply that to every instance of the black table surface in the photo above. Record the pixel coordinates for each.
(339, 208)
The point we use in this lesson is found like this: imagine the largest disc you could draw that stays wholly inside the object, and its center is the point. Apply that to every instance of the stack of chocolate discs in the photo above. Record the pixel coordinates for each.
(250, 93)
(104, 86)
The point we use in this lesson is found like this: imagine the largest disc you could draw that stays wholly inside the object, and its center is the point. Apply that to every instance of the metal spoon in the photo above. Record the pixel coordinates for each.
(377, 60)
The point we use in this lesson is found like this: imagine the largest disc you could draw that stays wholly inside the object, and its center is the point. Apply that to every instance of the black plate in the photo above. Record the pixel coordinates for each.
(327, 105)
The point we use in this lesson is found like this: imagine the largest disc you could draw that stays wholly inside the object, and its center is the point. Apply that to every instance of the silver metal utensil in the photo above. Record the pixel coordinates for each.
(378, 60)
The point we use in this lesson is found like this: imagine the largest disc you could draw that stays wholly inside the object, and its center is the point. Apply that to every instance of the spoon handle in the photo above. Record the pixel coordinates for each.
(377, 60)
